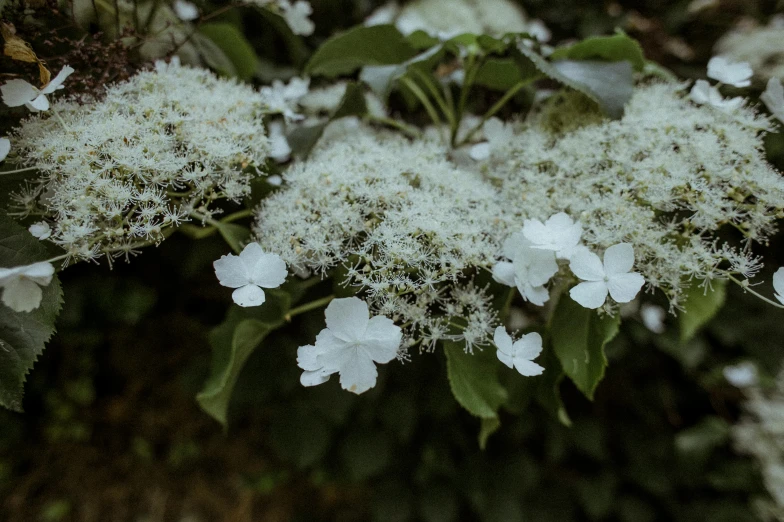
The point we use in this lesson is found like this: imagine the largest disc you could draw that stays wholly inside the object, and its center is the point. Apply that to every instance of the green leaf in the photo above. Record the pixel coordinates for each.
(579, 336)
(213, 55)
(380, 78)
(236, 236)
(548, 392)
(234, 46)
(487, 428)
(700, 307)
(500, 74)
(358, 47)
(232, 343)
(474, 381)
(610, 84)
(614, 48)
(302, 139)
(23, 335)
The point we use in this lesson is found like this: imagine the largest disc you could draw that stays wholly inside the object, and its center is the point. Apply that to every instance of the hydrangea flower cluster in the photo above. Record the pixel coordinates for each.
(118, 172)
(665, 179)
(399, 219)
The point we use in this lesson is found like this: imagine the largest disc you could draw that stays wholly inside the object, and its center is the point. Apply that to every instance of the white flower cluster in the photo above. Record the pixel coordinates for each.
(117, 172)
(296, 14)
(400, 219)
(447, 18)
(760, 433)
(664, 179)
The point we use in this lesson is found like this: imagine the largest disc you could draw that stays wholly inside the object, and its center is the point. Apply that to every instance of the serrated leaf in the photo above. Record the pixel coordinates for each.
(213, 55)
(233, 341)
(359, 47)
(579, 335)
(615, 48)
(610, 84)
(474, 381)
(23, 335)
(228, 38)
(500, 74)
(380, 78)
(700, 307)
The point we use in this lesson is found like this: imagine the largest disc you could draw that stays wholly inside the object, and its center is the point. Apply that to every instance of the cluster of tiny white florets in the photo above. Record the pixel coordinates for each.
(760, 433)
(118, 172)
(399, 218)
(665, 178)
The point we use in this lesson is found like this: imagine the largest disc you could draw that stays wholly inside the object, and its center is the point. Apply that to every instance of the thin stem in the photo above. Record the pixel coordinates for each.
(747, 288)
(60, 119)
(17, 171)
(494, 109)
(307, 307)
(237, 215)
(204, 219)
(445, 108)
(399, 125)
(422, 97)
(56, 258)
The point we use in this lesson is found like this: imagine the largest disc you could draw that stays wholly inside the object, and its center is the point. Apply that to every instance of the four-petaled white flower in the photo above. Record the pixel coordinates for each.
(559, 234)
(282, 98)
(613, 277)
(5, 148)
(350, 345)
(529, 269)
(22, 285)
(249, 272)
(773, 97)
(519, 354)
(297, 16)
(737, 74)
(497, 133)
(40, 230)
(741, 375)
(778, 284)
(18, 92)
(704, 93)
(186, 11)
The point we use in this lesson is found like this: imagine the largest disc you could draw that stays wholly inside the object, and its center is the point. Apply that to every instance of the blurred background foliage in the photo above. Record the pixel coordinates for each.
(112, 430)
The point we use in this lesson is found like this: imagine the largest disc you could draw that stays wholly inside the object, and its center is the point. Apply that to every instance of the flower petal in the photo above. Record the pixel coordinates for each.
(358, 373)
(231, 271)
(58, 80)
(778, 284)
(5, 148)
(737, 74)
(382, 339)
(541, 265)
(315, 377)
(504, 273)
(618, 259)
(527, 368)
(591, 294)
(18, 92)
(503, 341)
(587, 266)
(40, 273)
(505, 358)
(41, 103)
(536, 232)
(248, 295)
(347, 318)
(513, 244)
(22, 295)
(306, 357)
(773, 97)
(625, 287)
(480, 151)
(269, 271)
(528, 346)
(537, 295)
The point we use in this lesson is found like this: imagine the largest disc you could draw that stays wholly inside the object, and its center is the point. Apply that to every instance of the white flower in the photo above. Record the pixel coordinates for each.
(497, 134)
(280, 150)
(349, 345)
(275, 180)
(520, 354)
(704, 93)
(613, 277)
(741, 375)
(774, 98)
(778, 284)
(559, 234)
(385, 14)
(5, 148)
(281, 98)
(22, 285)
(186, 11)
(737, 74)
(249, 272)
(653, 317)
(529, 270)
(19, 92)
(296, 16)
(40, 230)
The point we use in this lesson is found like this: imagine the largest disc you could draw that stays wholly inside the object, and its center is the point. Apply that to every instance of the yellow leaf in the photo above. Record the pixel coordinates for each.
(18, 49)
